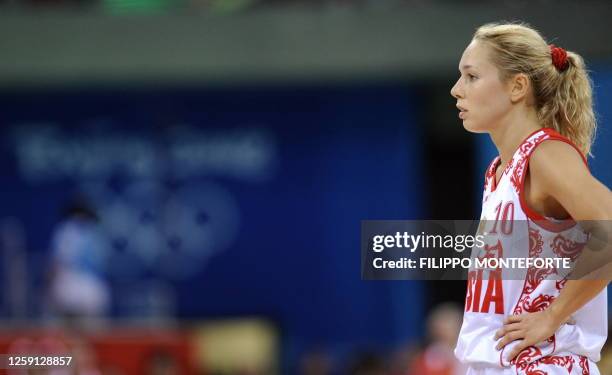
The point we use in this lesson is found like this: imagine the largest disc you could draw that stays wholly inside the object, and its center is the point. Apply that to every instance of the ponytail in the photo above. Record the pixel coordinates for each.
(570, 110)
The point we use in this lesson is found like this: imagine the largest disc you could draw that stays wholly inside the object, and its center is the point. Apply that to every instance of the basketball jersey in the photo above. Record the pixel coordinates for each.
(523, 232)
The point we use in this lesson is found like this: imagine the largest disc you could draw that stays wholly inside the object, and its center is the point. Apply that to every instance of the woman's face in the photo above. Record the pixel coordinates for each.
(483, 100)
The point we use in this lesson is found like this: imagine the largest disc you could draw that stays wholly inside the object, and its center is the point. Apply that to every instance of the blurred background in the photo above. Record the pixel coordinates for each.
(182, 181)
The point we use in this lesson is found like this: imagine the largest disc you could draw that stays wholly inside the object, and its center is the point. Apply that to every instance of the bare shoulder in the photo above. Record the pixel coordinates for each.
(558, 171)
(556, 159)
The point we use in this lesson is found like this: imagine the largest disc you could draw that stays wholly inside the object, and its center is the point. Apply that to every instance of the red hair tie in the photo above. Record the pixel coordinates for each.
(559, 58)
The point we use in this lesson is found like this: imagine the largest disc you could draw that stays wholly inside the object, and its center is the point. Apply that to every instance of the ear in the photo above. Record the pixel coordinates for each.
(519, 86)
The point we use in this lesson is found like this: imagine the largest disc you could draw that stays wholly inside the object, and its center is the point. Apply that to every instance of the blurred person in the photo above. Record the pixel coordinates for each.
(403, 358)
(535, 101)
(437, 358)
(77, 287)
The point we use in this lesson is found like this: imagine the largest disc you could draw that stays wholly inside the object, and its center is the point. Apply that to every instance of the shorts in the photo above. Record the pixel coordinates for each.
(558, 364)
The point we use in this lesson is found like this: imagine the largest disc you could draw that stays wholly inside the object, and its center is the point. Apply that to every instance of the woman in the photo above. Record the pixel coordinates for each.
(527, 94)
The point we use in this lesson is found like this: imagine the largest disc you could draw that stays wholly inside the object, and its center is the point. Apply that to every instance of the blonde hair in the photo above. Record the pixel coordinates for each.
(563, 99)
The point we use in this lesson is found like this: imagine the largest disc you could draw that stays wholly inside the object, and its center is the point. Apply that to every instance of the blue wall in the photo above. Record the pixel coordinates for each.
(281, 177)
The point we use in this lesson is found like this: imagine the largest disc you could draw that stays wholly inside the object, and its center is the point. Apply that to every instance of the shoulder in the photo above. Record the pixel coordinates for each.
(555, 160)
(557, 170)
(558, 173)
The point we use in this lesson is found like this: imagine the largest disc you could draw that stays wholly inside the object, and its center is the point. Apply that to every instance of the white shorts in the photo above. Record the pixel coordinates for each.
(558, 364)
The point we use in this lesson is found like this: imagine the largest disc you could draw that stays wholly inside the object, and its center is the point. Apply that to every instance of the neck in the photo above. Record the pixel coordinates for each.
(515, 127)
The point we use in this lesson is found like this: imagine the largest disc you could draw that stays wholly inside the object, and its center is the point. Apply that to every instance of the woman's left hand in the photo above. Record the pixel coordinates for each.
(530, 329)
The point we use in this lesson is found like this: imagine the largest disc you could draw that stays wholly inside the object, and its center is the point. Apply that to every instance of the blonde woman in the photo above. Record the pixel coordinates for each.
(535, 102)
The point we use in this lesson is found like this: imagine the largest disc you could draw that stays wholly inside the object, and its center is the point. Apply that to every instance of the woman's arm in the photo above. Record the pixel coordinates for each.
(556, 167)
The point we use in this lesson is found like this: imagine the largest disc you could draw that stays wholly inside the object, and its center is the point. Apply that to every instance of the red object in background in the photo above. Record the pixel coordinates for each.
(128, 351)
(436, 359)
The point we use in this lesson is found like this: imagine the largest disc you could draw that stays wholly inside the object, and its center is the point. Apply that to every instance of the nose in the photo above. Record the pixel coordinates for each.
(456, 90)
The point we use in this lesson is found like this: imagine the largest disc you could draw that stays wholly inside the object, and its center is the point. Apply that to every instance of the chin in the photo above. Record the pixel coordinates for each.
(472, 128)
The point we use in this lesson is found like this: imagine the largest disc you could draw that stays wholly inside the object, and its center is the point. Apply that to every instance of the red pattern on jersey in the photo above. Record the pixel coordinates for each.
(517, 174)
(525, 305)
(525, 357)
(566, 361)
(566, 248)
(584, 365)
(535, 242)
(529, 144)
(535, 277)
(524, 152)
(490, 174)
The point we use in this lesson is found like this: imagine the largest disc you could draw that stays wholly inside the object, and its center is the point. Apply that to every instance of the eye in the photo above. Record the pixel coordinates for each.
(471, 77)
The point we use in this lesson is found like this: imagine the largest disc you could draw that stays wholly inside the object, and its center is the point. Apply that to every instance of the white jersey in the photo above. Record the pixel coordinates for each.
(490, 299)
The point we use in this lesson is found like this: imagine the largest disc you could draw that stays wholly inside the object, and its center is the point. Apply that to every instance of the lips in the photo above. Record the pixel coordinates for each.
(462, 111)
